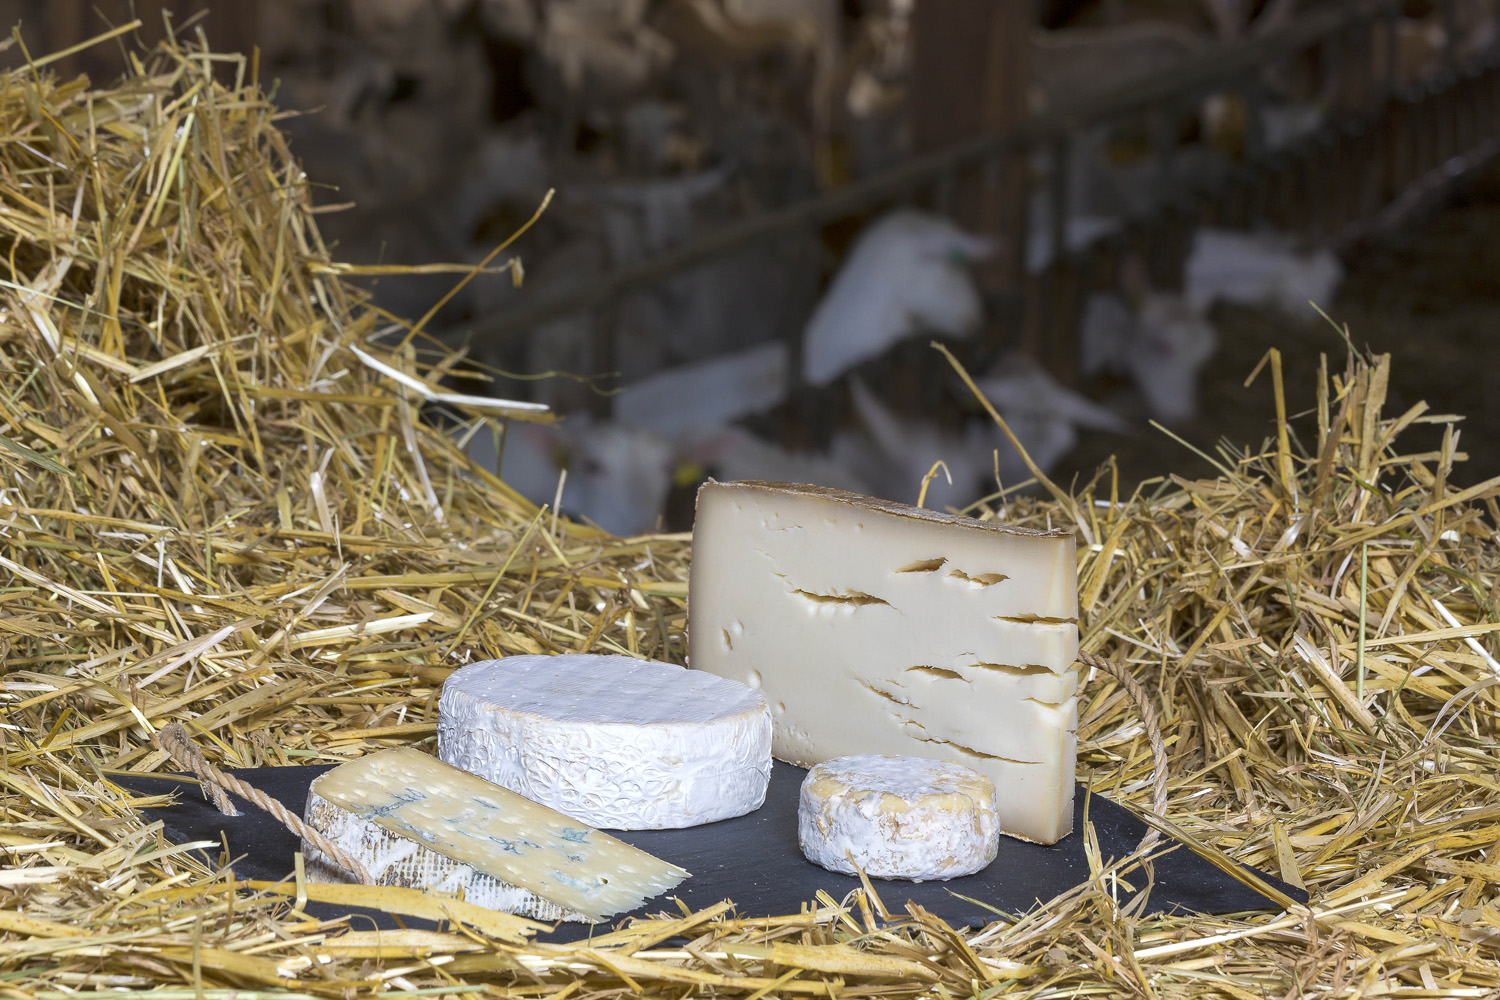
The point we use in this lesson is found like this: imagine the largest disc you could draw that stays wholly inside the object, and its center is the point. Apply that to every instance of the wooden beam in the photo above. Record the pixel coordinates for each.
(971, 74)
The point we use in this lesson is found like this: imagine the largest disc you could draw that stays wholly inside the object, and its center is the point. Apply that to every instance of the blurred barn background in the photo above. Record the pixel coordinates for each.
(765, 210)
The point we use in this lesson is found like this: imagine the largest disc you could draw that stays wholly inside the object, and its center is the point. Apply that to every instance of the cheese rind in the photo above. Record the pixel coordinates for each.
(897, 817)
(396, 860)
(874, 627)
(497, 832)
(613, 741)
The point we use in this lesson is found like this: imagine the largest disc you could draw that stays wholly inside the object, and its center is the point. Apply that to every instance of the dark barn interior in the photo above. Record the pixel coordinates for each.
(714, 169)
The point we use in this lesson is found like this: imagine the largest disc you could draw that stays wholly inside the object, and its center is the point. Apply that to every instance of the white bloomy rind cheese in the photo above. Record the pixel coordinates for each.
(897, 817)
(492, 830)
(876, 627)
(613, 741)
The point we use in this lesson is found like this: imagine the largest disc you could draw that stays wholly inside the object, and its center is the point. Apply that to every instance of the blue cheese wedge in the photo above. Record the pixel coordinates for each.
(397, 860)
(502, 849)
(876, 627)
(613, 741)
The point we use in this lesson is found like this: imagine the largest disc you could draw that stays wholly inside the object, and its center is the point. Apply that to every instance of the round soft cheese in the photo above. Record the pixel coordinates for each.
(897, 817)
(391, 859)
(615, 742)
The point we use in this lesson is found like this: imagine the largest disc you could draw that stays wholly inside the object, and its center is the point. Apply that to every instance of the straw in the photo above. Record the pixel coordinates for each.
(214, 512)
(174, 739)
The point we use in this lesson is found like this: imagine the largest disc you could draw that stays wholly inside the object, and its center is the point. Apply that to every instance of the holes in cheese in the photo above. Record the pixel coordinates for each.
(978, 579)
(967, 656)
(942, 672)
(853, 599)
(1036, 620)
(924, 565)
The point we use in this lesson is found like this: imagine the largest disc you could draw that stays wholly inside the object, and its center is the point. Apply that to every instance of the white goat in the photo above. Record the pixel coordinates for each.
(732, 453)
(687, 400)
(617, 477)
(1160, 345)
(1043, 414)
(907, 274)
(1263, 269)
(897, 454)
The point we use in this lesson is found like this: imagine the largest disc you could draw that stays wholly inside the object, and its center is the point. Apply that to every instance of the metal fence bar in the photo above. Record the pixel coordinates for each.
(1217, 68)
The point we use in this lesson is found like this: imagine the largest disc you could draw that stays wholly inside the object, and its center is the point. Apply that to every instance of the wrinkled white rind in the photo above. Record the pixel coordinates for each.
(614, 742)
(398, 861)
(897, 817)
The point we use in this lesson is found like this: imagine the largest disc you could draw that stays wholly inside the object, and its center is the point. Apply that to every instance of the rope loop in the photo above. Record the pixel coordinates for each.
(175, 742)
(1153, 735)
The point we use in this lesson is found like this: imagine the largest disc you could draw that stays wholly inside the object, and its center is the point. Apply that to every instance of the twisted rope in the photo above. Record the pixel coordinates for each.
(175, 742)
(1153, 734)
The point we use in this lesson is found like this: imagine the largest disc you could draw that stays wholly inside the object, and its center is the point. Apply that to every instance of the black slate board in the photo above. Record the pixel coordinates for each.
(754, 860)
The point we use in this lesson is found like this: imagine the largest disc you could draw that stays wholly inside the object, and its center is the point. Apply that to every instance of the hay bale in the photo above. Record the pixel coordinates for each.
(214, 511)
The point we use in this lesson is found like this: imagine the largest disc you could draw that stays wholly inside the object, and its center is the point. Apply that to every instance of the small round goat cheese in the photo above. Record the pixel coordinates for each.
(897, 817)
(615, 742)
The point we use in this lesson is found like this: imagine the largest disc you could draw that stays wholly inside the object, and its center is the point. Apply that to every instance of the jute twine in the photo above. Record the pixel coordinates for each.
(174, 740)
(1153, 734)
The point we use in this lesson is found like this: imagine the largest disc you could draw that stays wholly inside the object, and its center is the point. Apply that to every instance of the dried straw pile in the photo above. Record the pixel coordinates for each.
(214, 512)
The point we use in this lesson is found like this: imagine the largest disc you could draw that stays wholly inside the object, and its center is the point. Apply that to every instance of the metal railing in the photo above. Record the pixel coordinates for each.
(1378, 141)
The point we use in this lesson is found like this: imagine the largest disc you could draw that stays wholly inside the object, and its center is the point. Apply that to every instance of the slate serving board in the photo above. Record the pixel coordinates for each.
(753, 860)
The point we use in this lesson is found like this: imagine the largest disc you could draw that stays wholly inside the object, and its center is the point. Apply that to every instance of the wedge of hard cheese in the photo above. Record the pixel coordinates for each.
(875, 627)
(530, 852)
